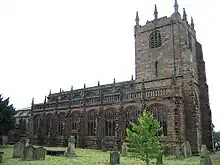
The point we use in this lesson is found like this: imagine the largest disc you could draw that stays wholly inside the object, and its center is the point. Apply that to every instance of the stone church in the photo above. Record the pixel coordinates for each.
(170, 82)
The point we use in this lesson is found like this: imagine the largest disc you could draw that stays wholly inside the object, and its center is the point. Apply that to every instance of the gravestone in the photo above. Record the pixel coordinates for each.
(18, 150)
(29, 153)
(25, 141)
(103, 146)
(114, 158)
(71, 147)
(177, 152)
(205, 157)
(185, 150)
(188, 149)
(39, 153)
(124, 149)
(160, 159)
(4, 141)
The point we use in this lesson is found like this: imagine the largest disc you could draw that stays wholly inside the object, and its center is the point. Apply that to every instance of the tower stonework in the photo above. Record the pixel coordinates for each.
(170, 82)
(167, 48)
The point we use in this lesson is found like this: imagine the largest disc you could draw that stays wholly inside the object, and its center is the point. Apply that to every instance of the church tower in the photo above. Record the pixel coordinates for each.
(167, 48)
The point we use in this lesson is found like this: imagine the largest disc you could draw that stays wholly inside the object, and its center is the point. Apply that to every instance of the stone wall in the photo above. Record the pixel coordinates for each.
(206, 116)
(132, 103)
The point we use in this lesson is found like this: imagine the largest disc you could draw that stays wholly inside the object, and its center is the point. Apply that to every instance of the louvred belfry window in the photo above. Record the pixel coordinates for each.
(155, 40)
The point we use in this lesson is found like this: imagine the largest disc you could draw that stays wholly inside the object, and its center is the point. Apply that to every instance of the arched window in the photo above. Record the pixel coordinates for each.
(60, 124)
(48, 121)
(91, 123)
(75, 120)
(36, 124)
(160, 113)
(131, 115)
(23, 126)
(110, 123)
(155, 40)
(60, 128)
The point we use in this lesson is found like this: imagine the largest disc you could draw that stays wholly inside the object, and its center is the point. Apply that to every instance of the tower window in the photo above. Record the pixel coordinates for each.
(156, 68)
(155, 40)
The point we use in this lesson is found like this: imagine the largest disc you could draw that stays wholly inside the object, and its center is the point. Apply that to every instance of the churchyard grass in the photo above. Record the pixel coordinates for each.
(94, 157)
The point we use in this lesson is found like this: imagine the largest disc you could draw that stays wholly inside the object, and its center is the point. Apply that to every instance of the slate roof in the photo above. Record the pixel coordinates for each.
(22, 113)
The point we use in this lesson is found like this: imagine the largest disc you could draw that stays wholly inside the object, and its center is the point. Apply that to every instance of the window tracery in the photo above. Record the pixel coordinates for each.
(75, 120)
(160, 113)
(110, 123)
(48, 120)
(131, 115)
(61, 124)
(91, 123)
(36, 124)
(155, 40)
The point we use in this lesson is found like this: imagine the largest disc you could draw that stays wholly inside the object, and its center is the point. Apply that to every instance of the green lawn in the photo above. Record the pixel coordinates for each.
(93, 157)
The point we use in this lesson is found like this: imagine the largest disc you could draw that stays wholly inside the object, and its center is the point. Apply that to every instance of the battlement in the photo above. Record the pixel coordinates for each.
(160, 22)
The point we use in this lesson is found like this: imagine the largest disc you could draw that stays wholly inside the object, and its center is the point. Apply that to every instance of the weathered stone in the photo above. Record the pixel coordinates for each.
(188, 149)
(71, 147)
(178, 152)
(114, 158)
(4, 141)
(72, 140)
(28, 153)
(185, 150)
(39, 153)
(205, 157)
(203, 151)
(124, 149)
(25, 141)
(18, 150)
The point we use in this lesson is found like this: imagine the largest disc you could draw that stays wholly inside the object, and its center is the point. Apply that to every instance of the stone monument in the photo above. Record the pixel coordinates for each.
(71, 147)
(114, 158)
(124, 149)
(205, 157)
(18, 150)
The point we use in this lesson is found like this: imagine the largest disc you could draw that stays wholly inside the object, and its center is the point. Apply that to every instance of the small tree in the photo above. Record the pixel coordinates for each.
(144, 138)
(7, 112)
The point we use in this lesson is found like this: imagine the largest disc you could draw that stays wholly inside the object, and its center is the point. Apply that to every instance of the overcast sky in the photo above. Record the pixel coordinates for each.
(50, 44)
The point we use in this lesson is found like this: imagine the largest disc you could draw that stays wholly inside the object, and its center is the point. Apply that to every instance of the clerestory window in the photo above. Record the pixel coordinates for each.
(155, 40)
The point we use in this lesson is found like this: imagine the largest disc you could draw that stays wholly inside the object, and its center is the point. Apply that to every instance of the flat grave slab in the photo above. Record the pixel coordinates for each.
(55, 152)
